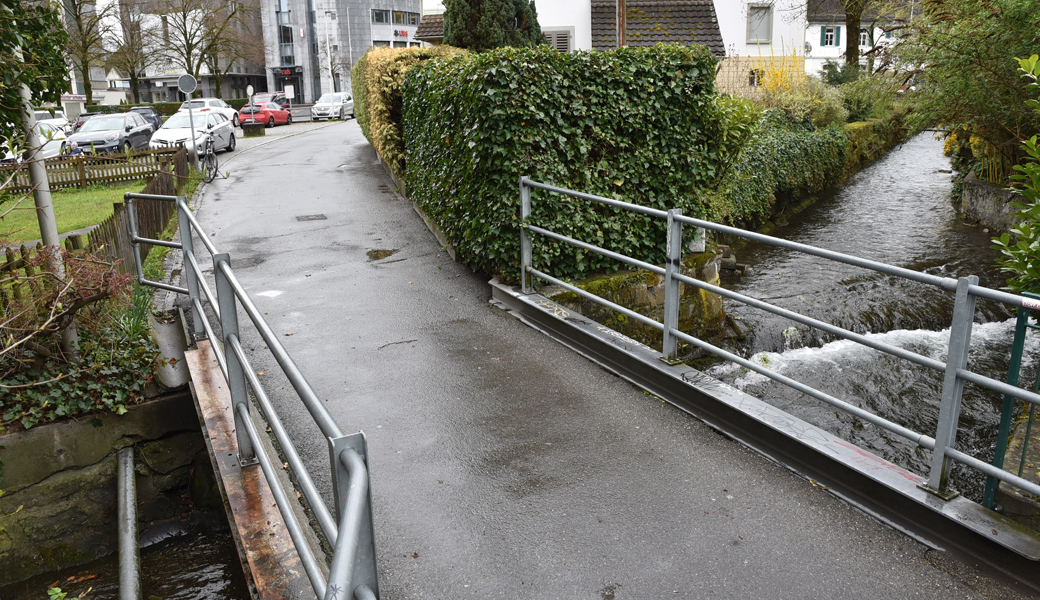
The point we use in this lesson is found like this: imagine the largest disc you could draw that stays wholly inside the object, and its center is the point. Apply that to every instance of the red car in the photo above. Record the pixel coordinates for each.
(267, 113)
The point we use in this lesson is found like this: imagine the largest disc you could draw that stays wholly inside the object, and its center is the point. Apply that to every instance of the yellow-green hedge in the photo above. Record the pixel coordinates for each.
(376, 80)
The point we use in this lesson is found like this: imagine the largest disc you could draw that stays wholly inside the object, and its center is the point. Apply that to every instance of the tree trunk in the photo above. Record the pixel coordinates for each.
(87, 90)
(853, 21)
(135, 86)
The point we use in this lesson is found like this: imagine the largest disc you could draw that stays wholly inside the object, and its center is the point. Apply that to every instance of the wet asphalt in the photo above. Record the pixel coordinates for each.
(504, 465)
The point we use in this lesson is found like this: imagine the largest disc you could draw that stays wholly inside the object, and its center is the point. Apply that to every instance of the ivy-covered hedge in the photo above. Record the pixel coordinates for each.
(781, 159)
(376, 80)
(638, 124)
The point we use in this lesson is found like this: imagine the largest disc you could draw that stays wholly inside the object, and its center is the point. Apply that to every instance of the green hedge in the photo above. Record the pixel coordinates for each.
(637, 124)
(781, 160)
(376, 80)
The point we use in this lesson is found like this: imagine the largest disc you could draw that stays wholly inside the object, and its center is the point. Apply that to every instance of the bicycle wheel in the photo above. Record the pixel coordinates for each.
(209, 166)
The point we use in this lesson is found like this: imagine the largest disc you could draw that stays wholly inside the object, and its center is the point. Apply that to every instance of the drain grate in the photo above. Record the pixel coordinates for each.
(311, 218)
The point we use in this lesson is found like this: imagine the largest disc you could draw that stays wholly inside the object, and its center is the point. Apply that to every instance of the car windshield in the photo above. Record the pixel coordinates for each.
(193, 104)
(41, 115)
(183, 121)
(100, 123)
(325, 99)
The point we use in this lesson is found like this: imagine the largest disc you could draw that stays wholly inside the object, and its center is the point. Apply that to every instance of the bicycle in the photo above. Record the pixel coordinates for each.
(208, 162)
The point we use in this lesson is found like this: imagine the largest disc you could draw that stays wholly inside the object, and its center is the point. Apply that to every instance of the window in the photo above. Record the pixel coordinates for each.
(400, 17)
(380, 16)
(413, 18)
(759, 24)
(400, 44)
(284, 18)
(561, 40)
(381, 44)
(285, 45)
(830, 36)
(864, 38)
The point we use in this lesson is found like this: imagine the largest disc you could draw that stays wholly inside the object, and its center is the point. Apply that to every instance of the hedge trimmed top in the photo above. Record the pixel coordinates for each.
(638, 124)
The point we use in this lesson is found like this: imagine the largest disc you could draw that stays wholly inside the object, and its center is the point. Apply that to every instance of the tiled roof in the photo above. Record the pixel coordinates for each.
(430, 27)
(648, 22)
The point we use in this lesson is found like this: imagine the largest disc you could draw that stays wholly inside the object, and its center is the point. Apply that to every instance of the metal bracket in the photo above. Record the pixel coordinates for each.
(674, 362)
(366, 566)
(249, 462)
(948, 495)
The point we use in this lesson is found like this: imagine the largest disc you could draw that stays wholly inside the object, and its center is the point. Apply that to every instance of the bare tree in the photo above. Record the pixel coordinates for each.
(241, 40)
(133, 44)
(198, 30)
(88, 26)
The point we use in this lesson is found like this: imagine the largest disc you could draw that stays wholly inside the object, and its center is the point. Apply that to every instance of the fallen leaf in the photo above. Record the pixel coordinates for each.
(496, 359)
(415, 555)
(285, 465)
(288, 334)
(260, 373)
(297, 494)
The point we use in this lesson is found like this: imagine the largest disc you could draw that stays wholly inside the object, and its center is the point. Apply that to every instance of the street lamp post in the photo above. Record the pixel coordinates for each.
(328, 49)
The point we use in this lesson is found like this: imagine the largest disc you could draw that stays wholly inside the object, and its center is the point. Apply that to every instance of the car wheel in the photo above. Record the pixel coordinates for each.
(270, 121)
(64, 148)
(231, 144)
(234, 122)
(288, 120)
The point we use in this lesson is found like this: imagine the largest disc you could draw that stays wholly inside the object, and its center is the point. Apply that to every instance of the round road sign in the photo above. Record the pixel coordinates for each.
(187, 84)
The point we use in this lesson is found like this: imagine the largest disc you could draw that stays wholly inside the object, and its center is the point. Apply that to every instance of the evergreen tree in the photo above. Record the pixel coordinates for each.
(480, 25)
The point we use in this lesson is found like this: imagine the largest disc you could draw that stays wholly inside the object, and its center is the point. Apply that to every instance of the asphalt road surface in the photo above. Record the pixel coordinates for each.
(504, 465)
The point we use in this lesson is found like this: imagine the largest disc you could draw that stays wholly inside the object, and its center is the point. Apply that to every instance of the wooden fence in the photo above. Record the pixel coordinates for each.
(83, 170)
(111, 236)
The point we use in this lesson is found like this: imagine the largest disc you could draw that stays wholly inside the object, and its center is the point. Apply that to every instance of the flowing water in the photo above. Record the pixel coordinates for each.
(896, 211)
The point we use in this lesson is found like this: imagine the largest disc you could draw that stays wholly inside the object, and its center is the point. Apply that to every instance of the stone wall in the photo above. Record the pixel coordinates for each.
(59, 480)
(987, 204)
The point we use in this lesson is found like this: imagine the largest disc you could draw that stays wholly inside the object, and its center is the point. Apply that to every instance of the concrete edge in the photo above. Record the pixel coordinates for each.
(877, 487)
(430, 224)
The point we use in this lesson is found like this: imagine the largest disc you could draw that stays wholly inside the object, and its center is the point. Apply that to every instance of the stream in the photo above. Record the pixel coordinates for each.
(897, 211)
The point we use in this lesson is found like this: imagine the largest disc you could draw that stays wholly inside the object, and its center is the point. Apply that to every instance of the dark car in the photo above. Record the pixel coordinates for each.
(113, 133)
(150, 114)
(80, 119)
(278, 98)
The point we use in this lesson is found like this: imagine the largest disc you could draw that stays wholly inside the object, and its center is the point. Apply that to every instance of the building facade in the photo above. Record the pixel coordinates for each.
(311, 45)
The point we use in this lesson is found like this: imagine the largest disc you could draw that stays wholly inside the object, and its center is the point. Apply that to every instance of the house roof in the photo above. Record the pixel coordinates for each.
(648, 22)
(431, 27)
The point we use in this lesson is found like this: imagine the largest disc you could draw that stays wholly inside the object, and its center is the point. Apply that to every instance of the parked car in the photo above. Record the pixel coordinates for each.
(333, 106)
(80, 119)
(57, 120)
(113, 133)
(211, 104)
(268, 113)
(53, 139)
(278, 98)
(177, 131)
(150, 114)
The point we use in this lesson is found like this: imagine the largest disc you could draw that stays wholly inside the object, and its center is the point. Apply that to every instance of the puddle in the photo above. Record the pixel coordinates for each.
(380, 254)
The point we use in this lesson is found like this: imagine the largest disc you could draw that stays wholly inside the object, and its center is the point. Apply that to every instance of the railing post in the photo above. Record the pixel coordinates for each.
(132, 223)
(525, 238)
(362, 568)
(236, 378)
(1004, 431)
(188, 250)
(673, 262)
(953, 388)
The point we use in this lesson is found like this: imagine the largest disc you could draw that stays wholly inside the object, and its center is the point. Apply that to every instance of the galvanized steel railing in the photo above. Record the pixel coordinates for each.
(353, 566)
(967, 290)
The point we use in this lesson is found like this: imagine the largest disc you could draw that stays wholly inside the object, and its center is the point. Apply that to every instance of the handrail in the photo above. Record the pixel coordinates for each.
(353, 562)
(955, 368)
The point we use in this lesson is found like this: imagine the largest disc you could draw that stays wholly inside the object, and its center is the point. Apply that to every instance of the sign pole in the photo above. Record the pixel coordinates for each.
(187, 84)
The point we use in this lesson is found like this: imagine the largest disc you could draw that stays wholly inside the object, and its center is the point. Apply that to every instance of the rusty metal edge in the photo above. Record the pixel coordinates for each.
(272, 571)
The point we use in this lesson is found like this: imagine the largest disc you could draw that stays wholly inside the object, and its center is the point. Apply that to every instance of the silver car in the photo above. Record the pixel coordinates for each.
(176, 131)
(333, 106)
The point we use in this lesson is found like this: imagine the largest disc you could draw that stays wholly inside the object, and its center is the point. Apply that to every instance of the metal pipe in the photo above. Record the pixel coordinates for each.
(137, 239)
(621, 309)
(307, 487)
(163, 286)
(924, 361)
(303, 549)
(363, 592)
(918, 438)
(129, 551)
(131, 221)
(593, 198)
(325, 422)
(998, 386)
(1018, 301)
(217, 351)
(201, 281)
(988, 469)
(344, 556)
(609, 254)
(197, 227)
(945, 283)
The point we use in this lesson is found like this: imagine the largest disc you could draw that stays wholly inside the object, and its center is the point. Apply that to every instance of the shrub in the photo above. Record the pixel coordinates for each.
(782, 159)
(839, 72)
(637, 124)
(378, 79)
(873, 97)
(810, 101)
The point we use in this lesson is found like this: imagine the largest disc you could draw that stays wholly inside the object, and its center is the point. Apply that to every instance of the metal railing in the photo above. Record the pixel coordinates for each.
(956, 374)
(353, 565)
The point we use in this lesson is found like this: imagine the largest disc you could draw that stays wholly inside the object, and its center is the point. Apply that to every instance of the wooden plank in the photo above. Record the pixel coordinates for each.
(269, 558)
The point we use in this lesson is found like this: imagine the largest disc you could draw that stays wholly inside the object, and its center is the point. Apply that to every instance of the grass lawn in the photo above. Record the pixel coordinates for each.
(73, 208)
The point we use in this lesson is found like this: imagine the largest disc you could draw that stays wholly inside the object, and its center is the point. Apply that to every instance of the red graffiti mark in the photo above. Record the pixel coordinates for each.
(867, 460)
